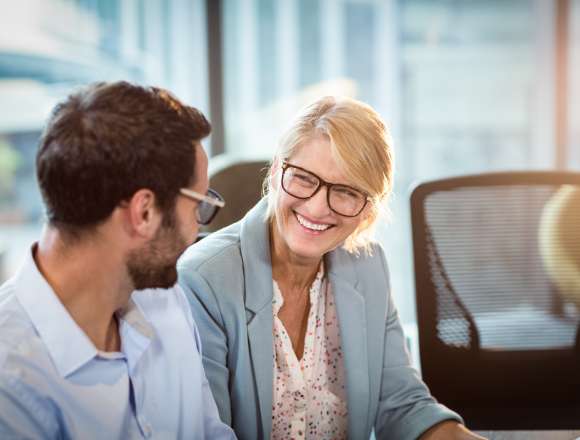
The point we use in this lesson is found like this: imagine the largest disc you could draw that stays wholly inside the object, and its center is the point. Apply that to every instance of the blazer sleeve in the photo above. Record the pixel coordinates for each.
(406, 408)
(208, 318)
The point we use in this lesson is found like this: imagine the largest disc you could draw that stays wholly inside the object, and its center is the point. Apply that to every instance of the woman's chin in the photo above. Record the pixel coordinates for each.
(308, 249)
(304, 244)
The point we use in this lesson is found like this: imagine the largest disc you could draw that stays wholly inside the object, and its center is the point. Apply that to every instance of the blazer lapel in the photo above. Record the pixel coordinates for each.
(255, 248)
(350, 305)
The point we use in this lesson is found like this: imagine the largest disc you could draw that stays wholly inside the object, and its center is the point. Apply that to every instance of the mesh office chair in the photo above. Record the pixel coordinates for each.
(497, 270)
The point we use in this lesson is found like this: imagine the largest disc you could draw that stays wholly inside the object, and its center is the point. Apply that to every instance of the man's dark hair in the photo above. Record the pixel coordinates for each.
(107, 141)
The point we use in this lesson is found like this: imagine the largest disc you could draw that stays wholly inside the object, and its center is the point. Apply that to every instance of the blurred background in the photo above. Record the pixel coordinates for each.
(465, 85)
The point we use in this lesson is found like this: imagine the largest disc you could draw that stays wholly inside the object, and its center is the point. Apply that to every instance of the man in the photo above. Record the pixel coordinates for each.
(124, 180)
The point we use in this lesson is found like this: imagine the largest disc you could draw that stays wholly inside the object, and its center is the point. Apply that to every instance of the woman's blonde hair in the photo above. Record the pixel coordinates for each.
(361, 145)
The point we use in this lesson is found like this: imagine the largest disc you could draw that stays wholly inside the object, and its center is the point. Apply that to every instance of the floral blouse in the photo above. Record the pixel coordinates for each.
(309, 396)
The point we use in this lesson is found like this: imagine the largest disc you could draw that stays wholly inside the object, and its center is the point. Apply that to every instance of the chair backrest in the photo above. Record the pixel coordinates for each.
(497, 272)
(239, 181)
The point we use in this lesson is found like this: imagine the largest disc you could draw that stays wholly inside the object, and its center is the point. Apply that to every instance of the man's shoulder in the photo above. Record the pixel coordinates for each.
(15, 325)
(160, 303)
(22, 352)
(169, 313)
(7, 291)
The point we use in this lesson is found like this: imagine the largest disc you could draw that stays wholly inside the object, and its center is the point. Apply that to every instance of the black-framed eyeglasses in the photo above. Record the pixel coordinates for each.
(208, 206)
(303, 184)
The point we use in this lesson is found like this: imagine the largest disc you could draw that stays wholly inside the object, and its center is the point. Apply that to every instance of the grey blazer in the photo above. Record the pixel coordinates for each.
(228, 280)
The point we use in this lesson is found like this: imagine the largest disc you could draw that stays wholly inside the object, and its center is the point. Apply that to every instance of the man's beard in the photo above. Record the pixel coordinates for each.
(154, 266)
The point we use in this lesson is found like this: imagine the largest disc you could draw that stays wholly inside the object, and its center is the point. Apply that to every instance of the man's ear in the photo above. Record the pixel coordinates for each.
(143, 215)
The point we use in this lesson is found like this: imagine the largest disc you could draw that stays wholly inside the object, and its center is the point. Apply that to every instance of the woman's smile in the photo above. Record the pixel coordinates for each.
(312, 226)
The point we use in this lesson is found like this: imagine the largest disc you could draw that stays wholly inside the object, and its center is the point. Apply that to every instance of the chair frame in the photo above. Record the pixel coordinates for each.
(493, 400)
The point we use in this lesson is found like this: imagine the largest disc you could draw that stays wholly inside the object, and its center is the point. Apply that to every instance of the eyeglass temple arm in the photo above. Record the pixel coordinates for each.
(202, 198)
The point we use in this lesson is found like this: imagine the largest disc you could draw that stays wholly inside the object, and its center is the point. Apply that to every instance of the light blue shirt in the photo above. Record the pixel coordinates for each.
(54, 383)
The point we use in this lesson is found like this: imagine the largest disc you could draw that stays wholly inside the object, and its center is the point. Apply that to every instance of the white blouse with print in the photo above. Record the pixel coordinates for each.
(309, 397)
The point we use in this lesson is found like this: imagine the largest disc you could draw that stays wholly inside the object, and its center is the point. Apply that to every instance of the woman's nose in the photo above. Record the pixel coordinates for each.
(318, 203)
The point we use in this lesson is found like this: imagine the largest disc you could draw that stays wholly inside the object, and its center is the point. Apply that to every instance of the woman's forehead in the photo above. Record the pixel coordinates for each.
(316, 155)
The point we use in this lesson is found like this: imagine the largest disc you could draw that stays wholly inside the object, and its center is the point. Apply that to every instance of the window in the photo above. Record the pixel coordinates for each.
(49, 46)
(465, 86)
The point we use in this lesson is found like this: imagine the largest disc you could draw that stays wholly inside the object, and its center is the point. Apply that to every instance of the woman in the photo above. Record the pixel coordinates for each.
(299, 333)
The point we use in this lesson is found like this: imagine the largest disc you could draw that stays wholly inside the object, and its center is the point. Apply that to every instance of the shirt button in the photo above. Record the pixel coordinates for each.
(147, 431)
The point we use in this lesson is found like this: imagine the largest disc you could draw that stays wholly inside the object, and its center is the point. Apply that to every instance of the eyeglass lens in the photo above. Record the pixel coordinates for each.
(206, 211)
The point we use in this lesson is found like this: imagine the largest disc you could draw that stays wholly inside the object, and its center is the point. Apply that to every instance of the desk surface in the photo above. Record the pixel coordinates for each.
(530, 435)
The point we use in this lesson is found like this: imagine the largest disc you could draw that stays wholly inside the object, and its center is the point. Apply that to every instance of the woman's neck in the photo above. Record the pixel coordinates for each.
(290, 270)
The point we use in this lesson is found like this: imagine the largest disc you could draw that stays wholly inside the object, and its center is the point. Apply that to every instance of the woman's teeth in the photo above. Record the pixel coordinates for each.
(313, 226)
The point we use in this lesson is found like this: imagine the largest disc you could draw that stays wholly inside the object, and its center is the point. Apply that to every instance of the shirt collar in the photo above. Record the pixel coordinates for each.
(68, 346)
(135, 331)
(134, 317)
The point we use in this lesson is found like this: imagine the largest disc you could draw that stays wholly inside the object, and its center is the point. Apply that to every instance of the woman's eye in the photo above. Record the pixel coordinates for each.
(305, 178)
(346, 192)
